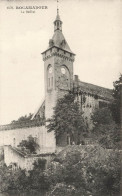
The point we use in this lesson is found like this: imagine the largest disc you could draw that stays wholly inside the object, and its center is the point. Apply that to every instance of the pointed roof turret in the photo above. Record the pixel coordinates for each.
(58, 39)
(57, 22)
(58, 17)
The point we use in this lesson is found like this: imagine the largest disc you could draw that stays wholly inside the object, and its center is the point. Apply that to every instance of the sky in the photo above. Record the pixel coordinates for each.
(93, 30)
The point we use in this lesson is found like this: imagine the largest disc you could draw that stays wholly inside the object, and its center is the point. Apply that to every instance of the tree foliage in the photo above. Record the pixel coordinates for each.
(106, 132)
(102, 116)
(21, 119)
(37, 177)
(86, 170)
(116, 105)
(82, 170)
(67, 118)
(29, 144)
(23, 180)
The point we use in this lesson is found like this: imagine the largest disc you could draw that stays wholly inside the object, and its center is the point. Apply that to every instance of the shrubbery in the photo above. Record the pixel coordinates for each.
(106, 132)
(30, 145)
(77, 170)
(23, 180)
(88, 170)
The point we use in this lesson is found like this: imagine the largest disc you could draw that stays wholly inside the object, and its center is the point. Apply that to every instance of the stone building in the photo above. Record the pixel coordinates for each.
(59, 79)
(14, 158)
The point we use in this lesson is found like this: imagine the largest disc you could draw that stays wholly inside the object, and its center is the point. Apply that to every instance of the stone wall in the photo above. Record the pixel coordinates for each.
(56, 58)
(18, 160)
(88, 104)
(15, 136)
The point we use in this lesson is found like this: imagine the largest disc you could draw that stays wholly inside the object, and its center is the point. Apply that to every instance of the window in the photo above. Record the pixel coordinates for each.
(49, 77)
(52, 81)
(14, 142)
(49, 82)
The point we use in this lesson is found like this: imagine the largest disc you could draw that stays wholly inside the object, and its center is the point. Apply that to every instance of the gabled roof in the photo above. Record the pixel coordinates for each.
(103, 93)
(39, 109)
(97, 90)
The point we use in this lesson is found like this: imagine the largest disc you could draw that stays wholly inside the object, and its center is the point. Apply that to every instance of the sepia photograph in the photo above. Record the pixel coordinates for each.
(60, 97)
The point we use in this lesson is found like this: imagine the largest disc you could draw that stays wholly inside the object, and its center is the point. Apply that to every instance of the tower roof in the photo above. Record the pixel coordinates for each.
(59, 41)
(57, 17)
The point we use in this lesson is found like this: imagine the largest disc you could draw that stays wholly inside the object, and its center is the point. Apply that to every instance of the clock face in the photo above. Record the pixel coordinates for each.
(63, 70)
(63, 78)
(63, 82)
(50, 69)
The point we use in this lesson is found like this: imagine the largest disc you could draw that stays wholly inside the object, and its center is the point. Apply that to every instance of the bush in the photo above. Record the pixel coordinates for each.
(90, 170)
(21, 180)
(29, 145)
(106, 132)
(82, 170)
(62, 189)
(37, 177)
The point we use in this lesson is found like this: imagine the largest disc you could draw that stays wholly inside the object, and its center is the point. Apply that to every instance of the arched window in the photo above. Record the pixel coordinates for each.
(65, 77)
(49, 77)
(52, 81)
(14, 142)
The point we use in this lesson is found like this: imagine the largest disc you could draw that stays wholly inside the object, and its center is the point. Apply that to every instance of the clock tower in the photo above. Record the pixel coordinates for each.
(58, 68)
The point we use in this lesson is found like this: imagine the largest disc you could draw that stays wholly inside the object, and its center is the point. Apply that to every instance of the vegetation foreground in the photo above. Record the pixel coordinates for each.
(77, 170)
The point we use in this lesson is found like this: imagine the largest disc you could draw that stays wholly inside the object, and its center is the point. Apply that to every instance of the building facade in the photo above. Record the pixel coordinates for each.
(59, 80)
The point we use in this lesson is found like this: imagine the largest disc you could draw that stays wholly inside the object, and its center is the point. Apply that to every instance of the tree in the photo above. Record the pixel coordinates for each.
(25, 118)
(29, 144)
(116, 105)
(106, 132)
(86, 170)
(22, 180)
(102, 116)
(37, 178)
(67, 118)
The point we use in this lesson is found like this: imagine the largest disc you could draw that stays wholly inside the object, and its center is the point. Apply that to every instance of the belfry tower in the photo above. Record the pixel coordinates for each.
(58, 68)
